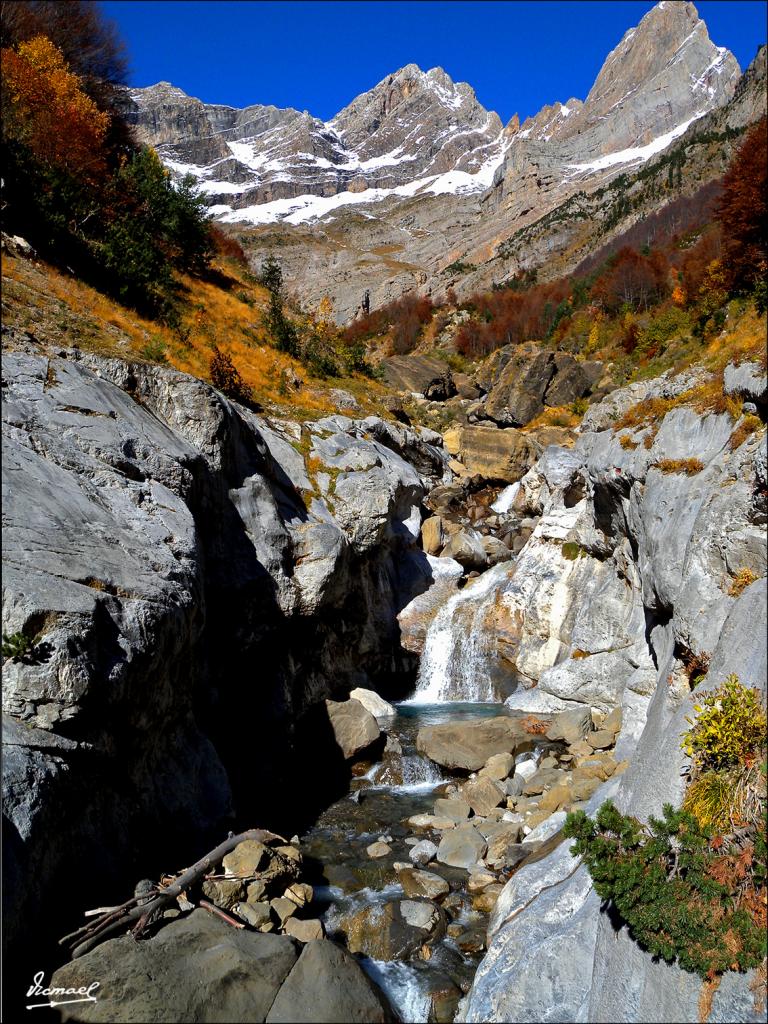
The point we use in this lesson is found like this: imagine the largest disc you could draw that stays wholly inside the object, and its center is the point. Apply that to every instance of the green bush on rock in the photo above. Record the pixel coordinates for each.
(683, 896)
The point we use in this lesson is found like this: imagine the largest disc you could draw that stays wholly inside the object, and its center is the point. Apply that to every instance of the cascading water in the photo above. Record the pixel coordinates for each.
(460, 644)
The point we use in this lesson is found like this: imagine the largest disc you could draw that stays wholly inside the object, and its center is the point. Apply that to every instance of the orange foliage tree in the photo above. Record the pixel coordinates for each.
(742, 211)
(46, 110)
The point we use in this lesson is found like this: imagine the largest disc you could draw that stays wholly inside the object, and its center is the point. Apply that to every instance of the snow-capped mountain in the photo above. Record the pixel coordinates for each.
(416, 174)
(419, 132)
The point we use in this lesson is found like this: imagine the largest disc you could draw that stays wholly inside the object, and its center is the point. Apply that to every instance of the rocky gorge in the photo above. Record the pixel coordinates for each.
(216, 604)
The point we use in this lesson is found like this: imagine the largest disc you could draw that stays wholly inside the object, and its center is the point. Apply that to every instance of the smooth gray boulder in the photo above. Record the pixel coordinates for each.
(468, 745)
(325, 986)
(195, 968)
(461, 847)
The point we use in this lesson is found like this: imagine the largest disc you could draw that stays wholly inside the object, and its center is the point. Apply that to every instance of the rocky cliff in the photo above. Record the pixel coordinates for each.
(193, 581)
(626, 584)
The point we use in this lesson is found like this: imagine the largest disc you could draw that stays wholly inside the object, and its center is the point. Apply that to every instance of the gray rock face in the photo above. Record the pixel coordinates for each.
(202, 579)
(654, 555)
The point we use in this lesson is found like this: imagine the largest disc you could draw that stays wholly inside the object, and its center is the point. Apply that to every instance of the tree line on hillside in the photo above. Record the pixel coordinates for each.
(76, 184)
(691, 256)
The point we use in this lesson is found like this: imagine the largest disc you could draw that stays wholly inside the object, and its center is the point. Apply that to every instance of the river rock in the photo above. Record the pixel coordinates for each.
(462, 847)
(432, 535)
(305, 930)
(570, 726)
(301, 893)
(452, 807)
(498, 767)
(468, 745)
(466, 548)
(378, 849)
(601, 739)
(373, 703)
(483, 795)
(431, 821)
(419, 914)
(548, 827)
(424, 884)
(257, 915)
(325, 986)
(354, 727)
(503, 456)
(246, 859)
(379, 930)
(190, 965)
(224, 892)
(423, 852)
(283, 907)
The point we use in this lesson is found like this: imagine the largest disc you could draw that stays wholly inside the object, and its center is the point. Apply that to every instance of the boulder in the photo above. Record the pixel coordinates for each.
(419, 914)
(468, 745)
(379, 930)
(432, 535)
(452, 807)
(461, 847)
(517, 395)
(423, 884)
(499, 455)
(499, 766)
(304, 930)
(466, 547)
(376, 850)
(570, 381)
(373, 703)
(246, 859)
(327, 985)
(422, 852)
(354, 727)
(570, 726)
(483, 794)
(412, 373)
(601, 739)
(190, 965)
(257, 915)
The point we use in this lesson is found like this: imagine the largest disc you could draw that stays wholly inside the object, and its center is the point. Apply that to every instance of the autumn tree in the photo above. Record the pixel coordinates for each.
(742, 212)
(46, 110)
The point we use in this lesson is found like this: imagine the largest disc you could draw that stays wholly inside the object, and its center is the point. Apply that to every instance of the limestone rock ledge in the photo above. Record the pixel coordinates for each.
(195, 579)
(609, 603)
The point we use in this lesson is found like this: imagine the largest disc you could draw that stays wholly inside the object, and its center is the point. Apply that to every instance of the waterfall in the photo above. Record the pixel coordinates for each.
(460, 645)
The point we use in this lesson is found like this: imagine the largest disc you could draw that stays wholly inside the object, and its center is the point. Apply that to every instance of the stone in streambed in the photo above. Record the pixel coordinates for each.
(304, 931)
(376, 850)
(424, 884)
(419, 914)
(455, 809)
(354, 727)
(284, 908)
(423, 852)
(373, 703)
(430, 821)
(301, 893)
(602, 739)
(255, 914)
(246, 859)
(462, 847)
(570, 726)
(468, 745)
(223, 892)
(326, 985)
(483, 795)
(498, 766)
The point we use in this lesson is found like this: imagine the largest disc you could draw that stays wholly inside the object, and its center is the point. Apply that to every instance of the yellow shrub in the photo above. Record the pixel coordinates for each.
(729, 726)
(742, 579)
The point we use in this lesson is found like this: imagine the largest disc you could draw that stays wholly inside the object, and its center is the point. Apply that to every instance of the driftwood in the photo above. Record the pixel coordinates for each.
(139, 911)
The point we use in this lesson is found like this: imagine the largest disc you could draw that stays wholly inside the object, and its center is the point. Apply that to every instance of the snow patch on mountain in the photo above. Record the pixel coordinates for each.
(635, 154)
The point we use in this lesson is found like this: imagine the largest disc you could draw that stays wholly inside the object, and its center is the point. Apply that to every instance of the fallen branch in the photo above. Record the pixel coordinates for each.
(137, 913)
(220, 913)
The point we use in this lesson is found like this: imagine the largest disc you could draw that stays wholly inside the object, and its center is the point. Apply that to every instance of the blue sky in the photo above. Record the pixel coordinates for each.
(318, 56)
